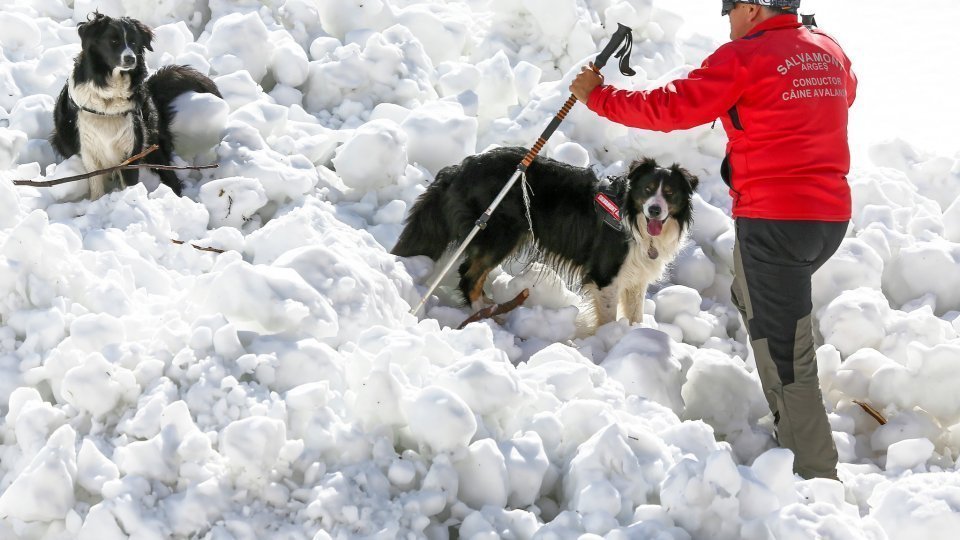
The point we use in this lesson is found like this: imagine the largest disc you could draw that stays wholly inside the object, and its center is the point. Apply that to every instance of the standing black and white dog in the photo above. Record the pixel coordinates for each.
(616, 259)
(109, 110)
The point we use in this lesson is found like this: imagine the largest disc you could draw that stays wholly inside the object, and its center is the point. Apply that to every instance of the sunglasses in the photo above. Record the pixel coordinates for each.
(728, 6)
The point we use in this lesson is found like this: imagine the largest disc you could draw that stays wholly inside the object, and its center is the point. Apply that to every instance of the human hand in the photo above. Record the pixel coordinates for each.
(588, 79)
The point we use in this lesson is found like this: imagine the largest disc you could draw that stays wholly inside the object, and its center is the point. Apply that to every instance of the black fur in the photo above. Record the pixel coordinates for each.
(568, 231)
(102, 42)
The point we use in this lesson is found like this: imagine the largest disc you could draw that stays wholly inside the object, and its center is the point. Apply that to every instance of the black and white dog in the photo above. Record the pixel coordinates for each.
(109, 110)
(646, 211)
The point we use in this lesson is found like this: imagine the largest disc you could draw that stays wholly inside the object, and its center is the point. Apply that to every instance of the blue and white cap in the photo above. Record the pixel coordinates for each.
(788, 6)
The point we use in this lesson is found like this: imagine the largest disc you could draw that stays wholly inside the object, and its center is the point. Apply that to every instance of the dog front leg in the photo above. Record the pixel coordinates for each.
(632, 301)
(605, 303)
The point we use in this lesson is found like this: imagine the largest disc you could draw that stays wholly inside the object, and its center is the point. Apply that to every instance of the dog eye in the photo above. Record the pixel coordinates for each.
(667, 191)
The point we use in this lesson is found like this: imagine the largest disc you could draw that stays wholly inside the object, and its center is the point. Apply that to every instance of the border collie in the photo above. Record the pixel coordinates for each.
(109, 110)
(615, 251)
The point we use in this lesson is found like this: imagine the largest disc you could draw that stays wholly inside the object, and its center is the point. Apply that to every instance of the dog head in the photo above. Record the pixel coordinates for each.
(117, 43)
(656, 194)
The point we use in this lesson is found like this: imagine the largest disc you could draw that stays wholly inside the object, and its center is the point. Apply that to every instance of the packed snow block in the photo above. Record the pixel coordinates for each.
(606, 476)
(354, 284)
(275, 300)
(855, 264)
(240, 41)
(909, 454)
(199, 123)
(169, 42)
(855, 320)
(10, 213)
(492, 522)
(951, 222)
(388, 67)
(692, 268)
(854, 375)
(21, 38)
(178, 441)
(647, 364)
(378, 399)
(441, 29)
(936, 177)
(496, 90)
(918, 506)
(526, 463)
(12, 142)
(439, 134)
(245, 153)
(289, 64)
(232, 202)
(483, 476)
(253, 444)
(440, 421)
(93, 468)
(719, 390)
(374, 157)
(44, 490)
(676, 299)
(927, 378)
(97, 387)
(486, 381)
(33, 115)
(298, 362)
(925, 268)
(341, 16)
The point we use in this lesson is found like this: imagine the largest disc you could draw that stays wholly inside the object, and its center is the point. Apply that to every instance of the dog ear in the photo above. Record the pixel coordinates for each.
(688, 177)
(146, 34)
(93, 21)
(639, 169)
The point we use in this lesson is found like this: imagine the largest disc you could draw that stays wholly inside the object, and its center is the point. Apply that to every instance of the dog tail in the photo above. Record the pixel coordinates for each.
(426, 231)
(169, 82)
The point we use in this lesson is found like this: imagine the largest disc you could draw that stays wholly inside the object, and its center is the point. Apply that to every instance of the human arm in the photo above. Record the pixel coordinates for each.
(703, 96)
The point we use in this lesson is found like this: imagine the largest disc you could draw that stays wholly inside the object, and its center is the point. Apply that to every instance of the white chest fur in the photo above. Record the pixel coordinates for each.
(105, 141)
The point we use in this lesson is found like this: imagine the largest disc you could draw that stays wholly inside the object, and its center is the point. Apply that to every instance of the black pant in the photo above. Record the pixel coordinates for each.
(774, 263)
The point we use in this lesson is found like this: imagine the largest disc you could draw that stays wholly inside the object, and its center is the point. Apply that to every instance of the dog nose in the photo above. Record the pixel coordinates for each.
(655, 211)
(129, 59)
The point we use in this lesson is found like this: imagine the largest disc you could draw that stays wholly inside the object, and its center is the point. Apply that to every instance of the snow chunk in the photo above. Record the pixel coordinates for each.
(275, 300)
(374, 157)
(44, 491)
(440, 420)
(483, 475)
(645, 363)
(240, 41)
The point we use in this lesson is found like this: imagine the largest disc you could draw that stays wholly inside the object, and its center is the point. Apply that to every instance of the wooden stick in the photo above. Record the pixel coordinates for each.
(497, 309)
(59, 181)
(201, 248)
(872, 412)
(126, 165)
(170, 167)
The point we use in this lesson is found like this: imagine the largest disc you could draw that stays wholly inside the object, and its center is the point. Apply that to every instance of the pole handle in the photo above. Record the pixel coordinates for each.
(623, 36)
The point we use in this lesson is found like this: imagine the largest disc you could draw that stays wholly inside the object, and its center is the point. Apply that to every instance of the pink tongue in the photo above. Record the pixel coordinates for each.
(654, 227)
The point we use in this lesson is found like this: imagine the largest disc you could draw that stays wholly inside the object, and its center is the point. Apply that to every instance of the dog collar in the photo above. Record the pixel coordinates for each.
(608, 203)
(100, 113)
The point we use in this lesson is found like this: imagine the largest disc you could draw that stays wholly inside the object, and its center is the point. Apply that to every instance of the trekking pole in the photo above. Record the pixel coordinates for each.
(623, 36)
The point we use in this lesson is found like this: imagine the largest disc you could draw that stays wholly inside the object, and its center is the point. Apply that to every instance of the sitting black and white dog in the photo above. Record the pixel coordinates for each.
(616, 237)
(109, 110)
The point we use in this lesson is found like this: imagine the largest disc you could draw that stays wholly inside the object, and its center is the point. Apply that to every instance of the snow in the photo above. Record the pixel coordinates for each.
(282, 389)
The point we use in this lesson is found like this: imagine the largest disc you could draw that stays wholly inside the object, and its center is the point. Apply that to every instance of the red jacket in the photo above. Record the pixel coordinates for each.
(782, 93)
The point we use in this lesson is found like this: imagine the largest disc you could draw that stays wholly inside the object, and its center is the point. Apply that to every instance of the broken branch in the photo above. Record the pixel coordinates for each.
(497, 309)
(201, 248)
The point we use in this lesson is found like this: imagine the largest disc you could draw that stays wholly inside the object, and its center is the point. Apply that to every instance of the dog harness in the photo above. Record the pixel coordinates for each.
(607, 203)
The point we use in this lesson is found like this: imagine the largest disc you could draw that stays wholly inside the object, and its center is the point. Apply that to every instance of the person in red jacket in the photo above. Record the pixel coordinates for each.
(782, 91)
